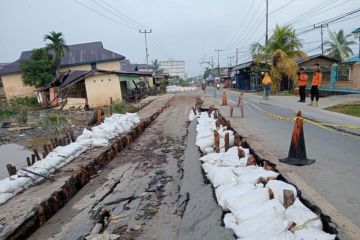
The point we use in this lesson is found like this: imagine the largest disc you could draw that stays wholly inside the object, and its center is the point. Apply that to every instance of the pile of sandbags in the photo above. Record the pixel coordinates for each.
(177, 89)
(205, 128)
(252, 195)
(98, 136)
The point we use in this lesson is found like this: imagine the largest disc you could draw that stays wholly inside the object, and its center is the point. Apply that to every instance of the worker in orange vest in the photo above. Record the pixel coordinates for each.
(303, 78)
(315, 84)
(266, 85)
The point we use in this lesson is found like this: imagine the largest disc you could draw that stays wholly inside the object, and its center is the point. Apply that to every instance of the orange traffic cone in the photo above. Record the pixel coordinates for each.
(297, 152)
(224, 99)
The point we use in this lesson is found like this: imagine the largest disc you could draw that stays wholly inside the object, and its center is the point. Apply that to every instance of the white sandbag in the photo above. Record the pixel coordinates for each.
(207, 167)
(278, 188)
(253, 177)
(212, 157)
(126, 126)
(221, 175)
(231, 191)
(98, 142)
(286, 235)
(204, 143)
(4, 197)
(257, 209)
(310, 233)
(300, 214)
(269, 224)
(208, 150)
(257, 195)
(83, 137)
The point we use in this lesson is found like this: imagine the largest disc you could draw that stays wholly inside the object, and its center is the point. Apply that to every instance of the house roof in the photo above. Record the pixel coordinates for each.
(356, 30)
(302, 60)
(2, 65)
(352, 59)
(77, 54)
(67, 78)
(242, 66)
(134, 67)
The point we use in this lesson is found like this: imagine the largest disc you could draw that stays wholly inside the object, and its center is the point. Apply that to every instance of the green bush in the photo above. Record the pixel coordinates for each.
(22, 117)
(122, 107)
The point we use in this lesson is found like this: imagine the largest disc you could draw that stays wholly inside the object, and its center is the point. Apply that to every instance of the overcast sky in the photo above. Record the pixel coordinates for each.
(187, 30)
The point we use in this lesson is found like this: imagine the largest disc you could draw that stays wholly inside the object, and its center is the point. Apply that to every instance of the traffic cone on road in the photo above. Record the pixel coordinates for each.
(224, 99)
(297, 152)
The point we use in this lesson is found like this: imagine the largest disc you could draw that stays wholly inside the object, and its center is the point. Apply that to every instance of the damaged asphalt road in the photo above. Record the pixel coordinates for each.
(154, 189)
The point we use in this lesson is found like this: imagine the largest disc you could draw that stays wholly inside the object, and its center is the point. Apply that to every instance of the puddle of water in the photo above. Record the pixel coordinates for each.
(13, 154)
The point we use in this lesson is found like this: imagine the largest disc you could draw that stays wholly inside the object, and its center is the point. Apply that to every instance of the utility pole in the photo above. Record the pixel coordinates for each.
(230, 62)
(237, 56)
(267, 23)
(218, 53)
(146, 48)
(321, 26)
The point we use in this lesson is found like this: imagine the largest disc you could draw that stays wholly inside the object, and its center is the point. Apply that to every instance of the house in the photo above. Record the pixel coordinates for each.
(95, 85)
(325, 63)
(353, 66)
(79, 57)
(248, 75)
(2, 92)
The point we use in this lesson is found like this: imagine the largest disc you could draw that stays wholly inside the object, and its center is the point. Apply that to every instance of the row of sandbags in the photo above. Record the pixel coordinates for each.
(255, 208)
(177, 89)
(98, 136)
(205, 139)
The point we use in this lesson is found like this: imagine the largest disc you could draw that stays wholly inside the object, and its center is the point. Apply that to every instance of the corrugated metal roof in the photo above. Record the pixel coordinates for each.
(356, 30)
(301, 60)
(353, 59)
(242, 66)
(76, 54)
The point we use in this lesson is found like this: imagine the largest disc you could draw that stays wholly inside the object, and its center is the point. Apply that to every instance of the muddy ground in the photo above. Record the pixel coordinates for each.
(152, 190)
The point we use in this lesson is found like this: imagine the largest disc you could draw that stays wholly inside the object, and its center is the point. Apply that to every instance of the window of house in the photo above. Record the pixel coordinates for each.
(93, 66)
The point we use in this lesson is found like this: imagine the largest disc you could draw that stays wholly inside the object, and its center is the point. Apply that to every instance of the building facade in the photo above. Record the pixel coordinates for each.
(174, 68)
(78, 57)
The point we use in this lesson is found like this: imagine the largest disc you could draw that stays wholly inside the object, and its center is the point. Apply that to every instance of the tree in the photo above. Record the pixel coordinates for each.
(58, 46)
(38, 70)
(281, 51)
(338, 46)
(156, 66)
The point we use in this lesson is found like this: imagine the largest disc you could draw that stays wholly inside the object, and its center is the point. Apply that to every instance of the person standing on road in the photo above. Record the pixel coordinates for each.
(266, 85)
(303, 78)
(315, 84)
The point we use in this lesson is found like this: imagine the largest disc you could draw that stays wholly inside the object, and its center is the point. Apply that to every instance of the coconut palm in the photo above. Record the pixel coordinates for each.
(156, 66)
(58, 46)
(339, 45)
(281, 51)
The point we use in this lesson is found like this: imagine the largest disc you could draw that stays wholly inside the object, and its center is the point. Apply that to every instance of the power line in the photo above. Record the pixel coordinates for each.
(115, 13)
(105, 16)
(285, 5)
(146, 47)
(240, 27)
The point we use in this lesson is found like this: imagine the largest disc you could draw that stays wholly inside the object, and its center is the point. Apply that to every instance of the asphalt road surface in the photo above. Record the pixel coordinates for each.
(334, 175)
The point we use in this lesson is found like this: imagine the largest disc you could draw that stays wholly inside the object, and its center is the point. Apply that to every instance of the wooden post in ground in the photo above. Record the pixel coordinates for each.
(111, 102)
(9, 169)
(50, 147)
(231, 111)
(226, 139)
(53, 144)
(289, 198)
(28, 161)
(217, 141)
(46, 150)
(36, 154)
(99, 116)
(33, 159)
(72, 136)
(228, 125)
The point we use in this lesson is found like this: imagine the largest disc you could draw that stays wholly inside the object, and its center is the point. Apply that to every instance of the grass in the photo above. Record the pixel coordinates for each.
(122, 107)
(352, 109)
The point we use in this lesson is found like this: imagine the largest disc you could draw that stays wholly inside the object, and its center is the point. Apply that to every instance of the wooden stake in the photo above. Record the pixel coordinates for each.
(46, 149)
(53, 143)
(111, 102)
(33, 159)
(50, 147)
(226, 139)
(217, 141)
(99, 116)
(36, 154)
(72, 136)
(28, 161)
(289, 198)
(9, 169)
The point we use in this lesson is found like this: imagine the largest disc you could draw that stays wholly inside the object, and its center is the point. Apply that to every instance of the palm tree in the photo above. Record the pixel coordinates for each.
(156, 66)
(339, 45)
(281, 51)
(57, 44)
